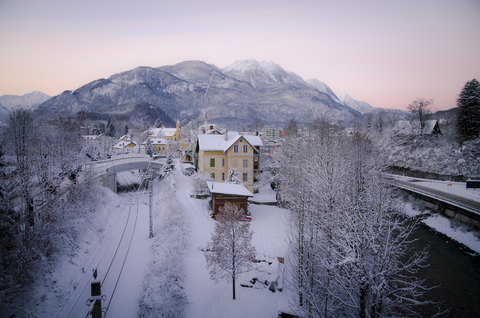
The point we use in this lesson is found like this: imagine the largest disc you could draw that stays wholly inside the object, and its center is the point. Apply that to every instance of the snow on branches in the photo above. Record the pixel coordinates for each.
(230, 251)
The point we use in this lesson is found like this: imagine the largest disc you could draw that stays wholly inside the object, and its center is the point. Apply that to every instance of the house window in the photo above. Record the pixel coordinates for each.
(245, 163)
(235, 148)
(245, 148)
(223, 162)
(245, 177)
(255, 159)
(223, 176)
(212, 162)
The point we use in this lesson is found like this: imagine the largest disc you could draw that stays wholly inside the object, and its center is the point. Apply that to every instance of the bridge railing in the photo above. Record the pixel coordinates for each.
(101, 166)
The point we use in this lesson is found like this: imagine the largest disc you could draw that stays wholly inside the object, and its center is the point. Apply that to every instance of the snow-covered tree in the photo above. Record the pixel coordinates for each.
(97, 129)
(168, 167)
(200, 186)
(347, 242)
(163, 288)
(232, 177)
(256, 125)
(230, 251)
(20, 134)
(110, 130)
(40, 223)
(421, 112)
(158, 123)
(468, 116)
(125, 130)
(92, 152)
(149, 148)
(292, 126)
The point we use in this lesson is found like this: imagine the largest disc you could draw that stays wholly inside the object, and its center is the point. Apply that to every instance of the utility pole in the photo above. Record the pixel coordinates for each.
(150, 195)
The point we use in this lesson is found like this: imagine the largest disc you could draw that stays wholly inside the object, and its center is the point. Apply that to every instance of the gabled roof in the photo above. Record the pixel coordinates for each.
(254, 140)
(430, 127)
(404, 127)
(218, 142)
(163, 132)
(124, 143)
(228, 189)
(158, 141)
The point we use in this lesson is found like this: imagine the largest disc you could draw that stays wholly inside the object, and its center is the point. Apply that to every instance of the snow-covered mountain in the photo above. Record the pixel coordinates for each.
(233, 96)
(263, 74)
(28, 101)
(361, 107)
(322, 87)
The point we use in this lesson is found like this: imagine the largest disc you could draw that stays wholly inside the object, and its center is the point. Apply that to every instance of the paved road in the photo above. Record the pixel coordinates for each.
(471, 205)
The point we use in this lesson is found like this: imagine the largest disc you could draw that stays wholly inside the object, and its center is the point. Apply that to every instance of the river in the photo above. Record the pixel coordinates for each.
(456, 271)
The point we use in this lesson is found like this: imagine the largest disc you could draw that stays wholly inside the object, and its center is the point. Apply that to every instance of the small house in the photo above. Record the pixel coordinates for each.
(404, 127)
(221, 193)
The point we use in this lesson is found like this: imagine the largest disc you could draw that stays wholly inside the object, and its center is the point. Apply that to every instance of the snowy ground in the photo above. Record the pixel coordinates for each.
(207, 299)
(64, 292)
(120, 233)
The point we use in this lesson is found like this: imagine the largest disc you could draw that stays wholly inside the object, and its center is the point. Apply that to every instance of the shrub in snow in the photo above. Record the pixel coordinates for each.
(163, 291)
(200, 187)
(232, 177)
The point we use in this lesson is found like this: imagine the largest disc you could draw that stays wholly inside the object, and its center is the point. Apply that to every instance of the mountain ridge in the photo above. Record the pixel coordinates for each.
(233, 96)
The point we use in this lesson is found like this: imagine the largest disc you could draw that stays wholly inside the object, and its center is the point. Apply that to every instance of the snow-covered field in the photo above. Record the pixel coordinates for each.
(64, 292)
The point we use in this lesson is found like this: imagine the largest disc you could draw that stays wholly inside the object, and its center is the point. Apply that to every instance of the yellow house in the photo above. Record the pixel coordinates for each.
(161, 145)
(124, 144)
(172, 134)
(217, 154)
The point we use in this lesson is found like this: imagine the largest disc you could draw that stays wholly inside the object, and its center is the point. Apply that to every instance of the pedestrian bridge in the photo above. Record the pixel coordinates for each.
(106, 170)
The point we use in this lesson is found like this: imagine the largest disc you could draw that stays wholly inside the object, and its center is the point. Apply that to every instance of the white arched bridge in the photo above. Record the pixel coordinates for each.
(106, 170)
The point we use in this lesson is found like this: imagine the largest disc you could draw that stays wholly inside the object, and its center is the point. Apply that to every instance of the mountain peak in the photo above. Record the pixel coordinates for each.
(262, 74)
(362, 107)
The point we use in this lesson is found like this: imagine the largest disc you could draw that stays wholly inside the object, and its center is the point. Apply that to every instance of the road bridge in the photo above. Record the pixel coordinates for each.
(106, 170)
(443, 197)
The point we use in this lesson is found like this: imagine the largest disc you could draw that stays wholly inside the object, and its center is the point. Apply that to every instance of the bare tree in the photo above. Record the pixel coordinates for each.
(230, 251)
(20, 133)
(421, 112)
(347, 242)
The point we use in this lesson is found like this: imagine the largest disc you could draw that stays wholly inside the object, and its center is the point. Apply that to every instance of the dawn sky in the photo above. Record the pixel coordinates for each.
(386, 53)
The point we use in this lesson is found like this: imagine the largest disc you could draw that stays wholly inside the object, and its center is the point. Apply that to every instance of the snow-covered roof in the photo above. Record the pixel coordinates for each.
(218, 142)
(404, 127)
(163, 132)
(429, 126)
(228, 188)
(124, 143)
(255, 141)
(158, 141)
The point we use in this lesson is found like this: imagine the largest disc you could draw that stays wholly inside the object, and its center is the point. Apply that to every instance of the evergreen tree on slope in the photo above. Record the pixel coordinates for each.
(468, 116)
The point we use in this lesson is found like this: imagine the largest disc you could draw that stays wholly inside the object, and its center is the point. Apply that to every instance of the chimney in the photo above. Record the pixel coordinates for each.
(226, 135)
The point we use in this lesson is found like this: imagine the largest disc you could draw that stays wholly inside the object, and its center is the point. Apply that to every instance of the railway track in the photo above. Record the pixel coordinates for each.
(109, 259)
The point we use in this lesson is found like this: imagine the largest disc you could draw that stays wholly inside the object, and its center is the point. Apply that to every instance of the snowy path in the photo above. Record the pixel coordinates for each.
(207, 299)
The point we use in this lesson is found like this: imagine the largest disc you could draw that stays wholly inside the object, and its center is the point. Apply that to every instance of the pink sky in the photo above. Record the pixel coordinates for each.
(386, 53)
